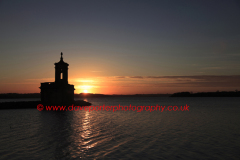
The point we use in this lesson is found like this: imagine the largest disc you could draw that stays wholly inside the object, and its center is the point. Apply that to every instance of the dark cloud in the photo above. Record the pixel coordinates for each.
(189, 81)
(140, 77)
(120, 77)
(201, 77)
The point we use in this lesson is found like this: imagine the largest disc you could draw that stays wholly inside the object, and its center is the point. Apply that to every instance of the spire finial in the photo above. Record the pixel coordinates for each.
(61, 56)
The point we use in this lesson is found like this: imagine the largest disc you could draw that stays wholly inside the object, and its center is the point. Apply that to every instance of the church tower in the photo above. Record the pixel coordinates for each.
(58, 92)
(61, 71)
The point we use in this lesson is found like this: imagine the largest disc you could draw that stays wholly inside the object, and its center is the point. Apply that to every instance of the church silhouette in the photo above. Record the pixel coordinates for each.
(58, 92)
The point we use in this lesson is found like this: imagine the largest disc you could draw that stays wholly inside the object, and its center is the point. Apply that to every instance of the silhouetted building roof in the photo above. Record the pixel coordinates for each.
(61, 62)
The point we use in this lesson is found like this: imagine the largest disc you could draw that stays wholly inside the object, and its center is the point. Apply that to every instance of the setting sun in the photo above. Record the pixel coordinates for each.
(83, 89)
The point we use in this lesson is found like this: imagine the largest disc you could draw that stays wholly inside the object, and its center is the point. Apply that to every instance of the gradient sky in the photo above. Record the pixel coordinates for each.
(121, 46)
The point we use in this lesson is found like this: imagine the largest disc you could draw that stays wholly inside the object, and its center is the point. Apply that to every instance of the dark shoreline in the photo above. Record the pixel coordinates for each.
(235, 93)
(33, 104)
(81, 95)
(208, 94)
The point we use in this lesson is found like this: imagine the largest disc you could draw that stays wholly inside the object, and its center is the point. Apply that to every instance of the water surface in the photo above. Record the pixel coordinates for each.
(209, 130)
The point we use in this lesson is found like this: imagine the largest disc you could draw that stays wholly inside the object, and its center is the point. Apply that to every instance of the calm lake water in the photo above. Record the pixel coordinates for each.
(209, 130)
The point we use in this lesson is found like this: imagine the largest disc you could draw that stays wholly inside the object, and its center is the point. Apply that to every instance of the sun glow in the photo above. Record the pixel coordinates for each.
(83, 89)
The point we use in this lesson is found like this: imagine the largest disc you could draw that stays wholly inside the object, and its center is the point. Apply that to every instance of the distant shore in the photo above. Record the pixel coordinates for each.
(207, 94)
(33, 104)
(81, 95)
(90, 95)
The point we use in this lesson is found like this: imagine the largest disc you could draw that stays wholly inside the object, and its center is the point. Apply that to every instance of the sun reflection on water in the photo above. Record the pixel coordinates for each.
(87, 134)
(86, 126)
(83, 135)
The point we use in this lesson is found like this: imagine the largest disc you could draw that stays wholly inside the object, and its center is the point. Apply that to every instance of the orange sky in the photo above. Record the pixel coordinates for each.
(128, 84)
